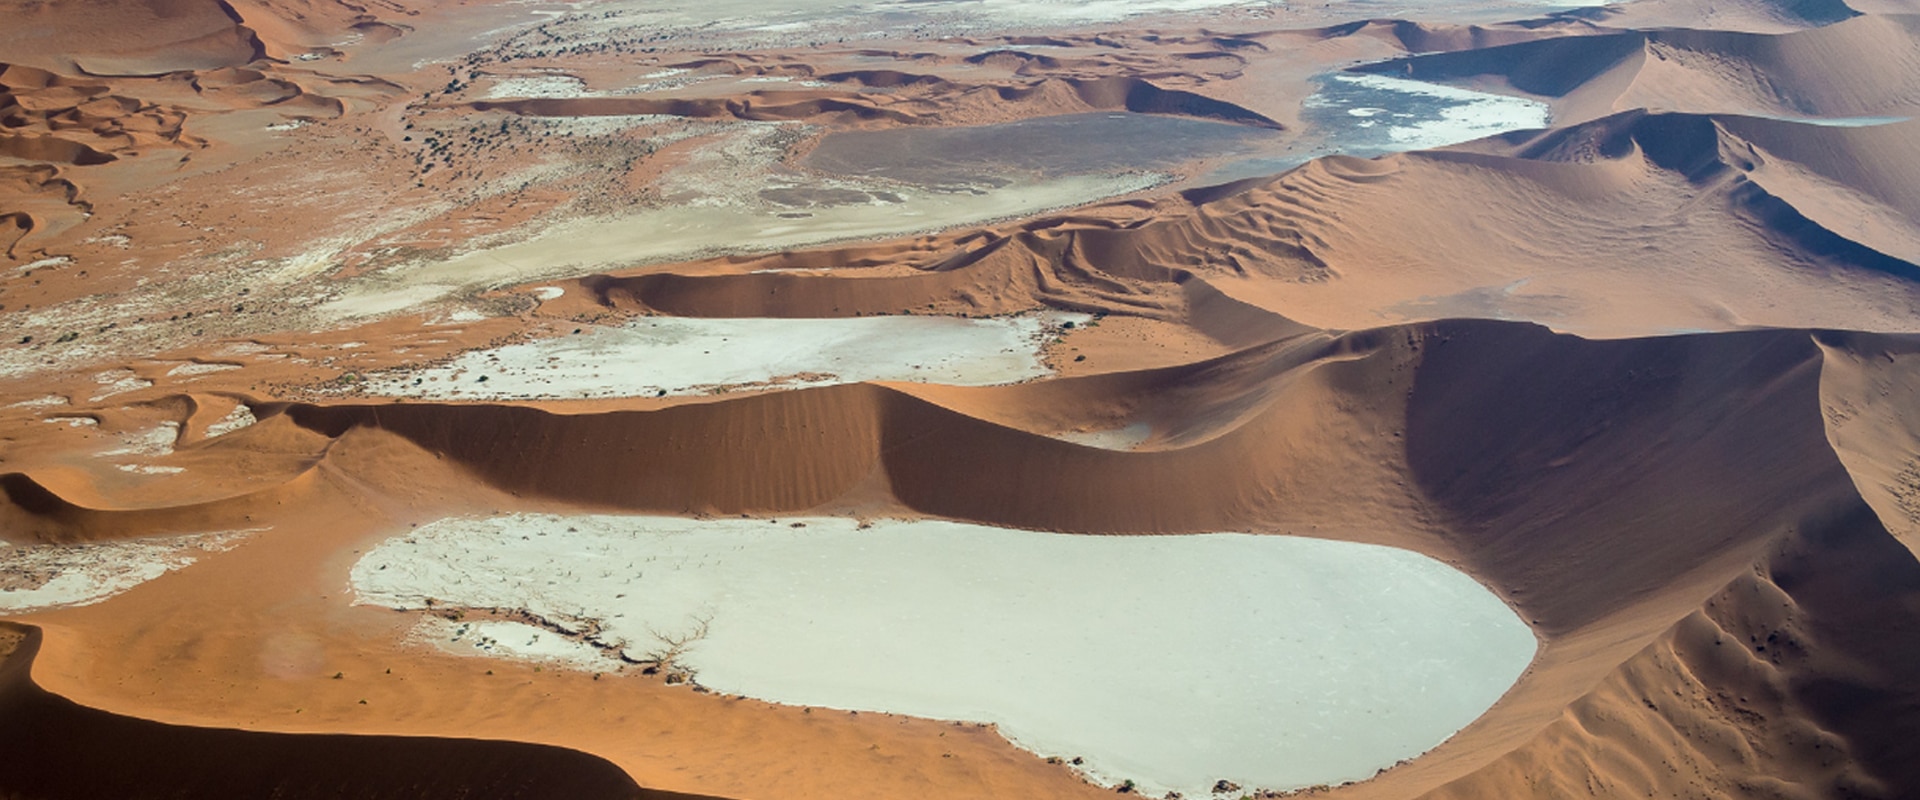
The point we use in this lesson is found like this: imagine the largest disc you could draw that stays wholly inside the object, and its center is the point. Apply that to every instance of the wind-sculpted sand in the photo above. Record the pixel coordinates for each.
(344, 350)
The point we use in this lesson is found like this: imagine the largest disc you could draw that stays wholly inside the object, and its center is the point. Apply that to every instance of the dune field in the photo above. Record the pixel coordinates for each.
(826, 399)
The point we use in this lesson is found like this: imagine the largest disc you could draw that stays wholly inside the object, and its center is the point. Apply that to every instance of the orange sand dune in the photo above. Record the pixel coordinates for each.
(152, 37)
(1055, 96)
(1632, 224)
(59, 749)
(1637, 223)
(126, 37)
(1814, 72)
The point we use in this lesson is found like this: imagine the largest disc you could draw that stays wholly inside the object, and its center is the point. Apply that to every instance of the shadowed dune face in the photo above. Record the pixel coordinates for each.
(59, 749)
(1784, 683)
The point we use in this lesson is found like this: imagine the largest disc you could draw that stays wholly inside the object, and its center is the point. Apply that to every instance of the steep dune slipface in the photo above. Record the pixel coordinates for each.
(1711, 585)
(1565, 469)
(1850, 185)
(1792, 681)
(797, 450)
(1869, 387)
(59, 749)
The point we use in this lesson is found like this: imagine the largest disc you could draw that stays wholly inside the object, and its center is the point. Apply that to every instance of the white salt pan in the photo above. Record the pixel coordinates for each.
(1470, 115)
(584, 246)
(40, 577)
(1172, 661)
(678, 356)
(563, 86)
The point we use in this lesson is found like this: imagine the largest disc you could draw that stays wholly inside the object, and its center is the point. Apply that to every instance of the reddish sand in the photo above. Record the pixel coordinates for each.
(1649, 375)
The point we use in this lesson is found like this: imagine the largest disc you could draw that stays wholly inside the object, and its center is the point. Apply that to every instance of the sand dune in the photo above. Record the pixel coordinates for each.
(1648, 374)
(1373, 436)
(1049, 95)
(1866, 382)
(58, 754)
(1611, 209)
(1805, 73)
(128, 37)
(1781, 684)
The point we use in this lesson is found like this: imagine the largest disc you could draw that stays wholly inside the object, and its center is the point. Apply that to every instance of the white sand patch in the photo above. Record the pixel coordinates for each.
(679, 356)
(459, 316)
(1469, 115)
(537, 86)
(546, 293)
(504, 639)
(240, 417)
(1172, 661)
(118, 381)
(72, 422)
(44, 263)
(322, 256)
(193, 368)
(585, 246)
(242, 349)
(150, 469)
(40, 577)
(157, 441)
(45, 401)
